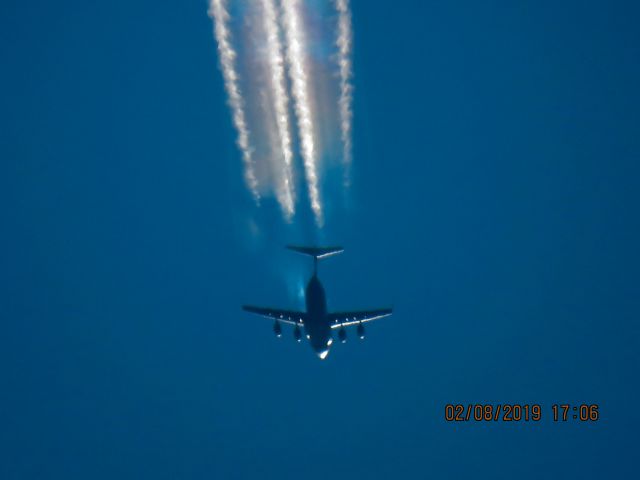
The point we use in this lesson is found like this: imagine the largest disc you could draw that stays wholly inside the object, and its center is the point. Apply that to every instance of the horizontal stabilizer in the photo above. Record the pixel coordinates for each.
(316, 252)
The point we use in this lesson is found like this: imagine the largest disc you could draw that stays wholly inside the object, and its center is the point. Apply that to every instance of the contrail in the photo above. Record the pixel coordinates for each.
(218, 11)
(285, 193)
(299, 86)
(344, 42)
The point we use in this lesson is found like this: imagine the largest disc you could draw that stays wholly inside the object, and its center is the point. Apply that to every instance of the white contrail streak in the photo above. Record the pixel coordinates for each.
(277, 79)
(344, 43)
(300, 89)
(218, 11)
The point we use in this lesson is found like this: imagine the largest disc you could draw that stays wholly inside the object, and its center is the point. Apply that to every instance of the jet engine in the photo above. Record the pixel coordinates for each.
(360, 331)
(277, 329)
(297, 334)
(342, 335)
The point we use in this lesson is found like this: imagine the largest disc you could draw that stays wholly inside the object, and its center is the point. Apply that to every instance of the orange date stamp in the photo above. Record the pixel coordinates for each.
(516, 412)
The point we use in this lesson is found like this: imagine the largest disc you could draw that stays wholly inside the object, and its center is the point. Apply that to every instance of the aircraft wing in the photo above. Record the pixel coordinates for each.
(344, 319)
(285, 316)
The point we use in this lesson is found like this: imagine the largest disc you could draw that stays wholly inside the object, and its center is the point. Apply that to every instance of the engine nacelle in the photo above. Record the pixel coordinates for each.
(297, 334)
(277, 329)
(342, 335)
(360, 331)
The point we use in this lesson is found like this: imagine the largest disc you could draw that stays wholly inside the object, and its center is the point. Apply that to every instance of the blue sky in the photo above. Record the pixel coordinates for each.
(494, 204)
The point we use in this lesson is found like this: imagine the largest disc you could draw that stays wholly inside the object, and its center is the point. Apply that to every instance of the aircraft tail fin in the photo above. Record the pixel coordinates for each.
(316, 252)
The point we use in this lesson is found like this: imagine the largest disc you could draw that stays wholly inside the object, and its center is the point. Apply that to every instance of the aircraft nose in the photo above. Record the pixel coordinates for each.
(323, 354)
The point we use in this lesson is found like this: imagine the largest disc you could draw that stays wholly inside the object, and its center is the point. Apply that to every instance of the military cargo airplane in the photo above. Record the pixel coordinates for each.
(316, 320)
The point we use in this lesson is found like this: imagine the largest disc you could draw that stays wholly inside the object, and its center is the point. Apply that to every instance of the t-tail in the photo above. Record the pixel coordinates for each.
(316, 253)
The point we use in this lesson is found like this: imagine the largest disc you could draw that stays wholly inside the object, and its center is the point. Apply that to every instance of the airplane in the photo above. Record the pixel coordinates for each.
(316, 320)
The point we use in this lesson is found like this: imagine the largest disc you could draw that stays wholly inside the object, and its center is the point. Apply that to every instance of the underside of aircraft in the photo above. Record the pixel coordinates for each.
(317, 322)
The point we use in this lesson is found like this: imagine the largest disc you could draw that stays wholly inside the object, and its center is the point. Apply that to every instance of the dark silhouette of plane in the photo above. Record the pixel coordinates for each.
(317, 321)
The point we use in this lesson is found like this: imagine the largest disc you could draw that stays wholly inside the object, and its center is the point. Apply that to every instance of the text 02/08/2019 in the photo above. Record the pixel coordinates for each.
(519, 412)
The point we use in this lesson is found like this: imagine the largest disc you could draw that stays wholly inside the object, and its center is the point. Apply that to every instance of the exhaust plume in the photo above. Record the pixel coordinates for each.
(285, 191)
(218, 11)
(293, 27)
(344, 43)
(288, 76)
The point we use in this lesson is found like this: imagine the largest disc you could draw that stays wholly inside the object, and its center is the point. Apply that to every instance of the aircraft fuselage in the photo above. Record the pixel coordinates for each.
(317, 325)
(317, 321)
